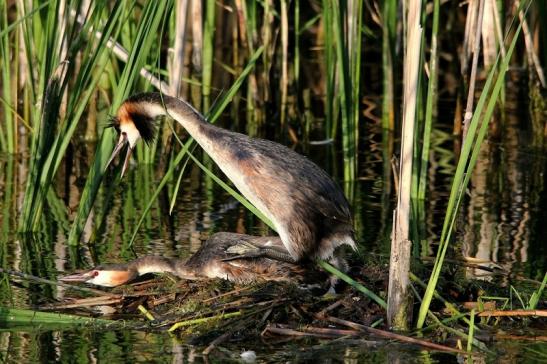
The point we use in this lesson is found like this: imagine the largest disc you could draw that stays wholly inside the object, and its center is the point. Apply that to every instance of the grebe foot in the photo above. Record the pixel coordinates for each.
(247, 250)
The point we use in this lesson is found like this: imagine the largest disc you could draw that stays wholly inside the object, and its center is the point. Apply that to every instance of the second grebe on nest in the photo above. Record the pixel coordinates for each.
(307, 208)
(210, 261)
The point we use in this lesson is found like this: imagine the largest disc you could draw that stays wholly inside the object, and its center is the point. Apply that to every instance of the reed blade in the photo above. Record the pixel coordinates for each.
(468, 158)
(147, 32)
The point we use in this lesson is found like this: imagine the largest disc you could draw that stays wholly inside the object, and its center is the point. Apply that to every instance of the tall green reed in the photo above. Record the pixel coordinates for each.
(147, 33)
(355, 43)
(30, 319)
(469, 153)
(43, 140)
(8, 211)
(8, 127)
(423, 135)
(348, 53)
(51, 138)
(330, 59)
(431, 102)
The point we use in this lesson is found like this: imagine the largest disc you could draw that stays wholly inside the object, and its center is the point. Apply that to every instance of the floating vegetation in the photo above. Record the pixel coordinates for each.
(29, 320)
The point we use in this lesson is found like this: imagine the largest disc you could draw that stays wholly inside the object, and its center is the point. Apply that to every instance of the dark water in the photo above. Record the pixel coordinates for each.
(502, 225)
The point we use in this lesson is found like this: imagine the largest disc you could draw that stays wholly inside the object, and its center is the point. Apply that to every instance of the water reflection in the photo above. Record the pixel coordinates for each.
(85, 347)
(505, 204)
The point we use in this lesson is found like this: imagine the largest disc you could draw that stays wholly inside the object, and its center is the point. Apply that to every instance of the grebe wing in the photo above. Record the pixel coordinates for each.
(276, 173)
(208, 260)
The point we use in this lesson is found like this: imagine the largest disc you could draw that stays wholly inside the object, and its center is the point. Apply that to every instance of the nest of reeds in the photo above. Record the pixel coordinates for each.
(212, 313)
(204, 311)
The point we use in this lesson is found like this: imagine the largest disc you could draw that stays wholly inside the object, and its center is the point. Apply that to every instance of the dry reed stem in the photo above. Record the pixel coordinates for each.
(177, 59)
(469, 35)
(87, 302)
(488, 34)
(313, 332)
(513, 313)
(197, 33)
(399, 266)
(519, 337)
(472, 79)
(532, 55)
(394, 336)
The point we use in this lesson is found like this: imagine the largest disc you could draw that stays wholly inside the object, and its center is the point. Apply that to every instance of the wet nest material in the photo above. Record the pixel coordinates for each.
(209, 313)
(194, 305)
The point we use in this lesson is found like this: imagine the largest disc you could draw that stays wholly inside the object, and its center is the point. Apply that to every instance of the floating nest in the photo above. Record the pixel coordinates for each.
(201, 310)
(212, 312)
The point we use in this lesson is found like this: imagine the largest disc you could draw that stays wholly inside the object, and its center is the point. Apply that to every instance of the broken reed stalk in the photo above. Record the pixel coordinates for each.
(203, 320)
(146, 313)
(393, 336)
(318, 332)
(86, 302)
(520, 337)
(399, 295)
(512, 313)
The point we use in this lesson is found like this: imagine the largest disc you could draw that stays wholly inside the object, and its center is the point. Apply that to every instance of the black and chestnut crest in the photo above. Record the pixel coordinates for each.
(135, 119)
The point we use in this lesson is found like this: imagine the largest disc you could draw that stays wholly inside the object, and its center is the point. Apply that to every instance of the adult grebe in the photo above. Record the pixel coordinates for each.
(307, 208)
(208, 262)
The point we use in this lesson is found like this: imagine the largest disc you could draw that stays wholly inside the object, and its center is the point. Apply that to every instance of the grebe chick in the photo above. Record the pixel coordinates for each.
(307, 208)
(208, 262)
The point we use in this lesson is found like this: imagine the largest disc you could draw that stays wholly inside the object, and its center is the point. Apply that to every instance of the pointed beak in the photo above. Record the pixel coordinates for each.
(118, 148)
(77, 277)
(126, 161)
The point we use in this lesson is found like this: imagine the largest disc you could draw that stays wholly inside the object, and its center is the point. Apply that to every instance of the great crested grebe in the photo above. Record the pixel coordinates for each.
(208, 262)
(307, 208)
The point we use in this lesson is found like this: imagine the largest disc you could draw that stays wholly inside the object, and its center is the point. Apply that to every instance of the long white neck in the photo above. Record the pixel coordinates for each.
(190, 119)
(220, 144)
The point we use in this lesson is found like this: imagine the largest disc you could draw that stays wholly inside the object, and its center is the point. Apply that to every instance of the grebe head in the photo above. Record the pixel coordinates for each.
(135, 119)
(105, 276)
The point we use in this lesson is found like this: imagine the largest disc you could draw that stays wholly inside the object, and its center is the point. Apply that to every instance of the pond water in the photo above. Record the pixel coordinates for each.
(502, 225)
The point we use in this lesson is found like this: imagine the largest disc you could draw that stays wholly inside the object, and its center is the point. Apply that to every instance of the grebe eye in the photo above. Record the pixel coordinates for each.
(95, 273)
